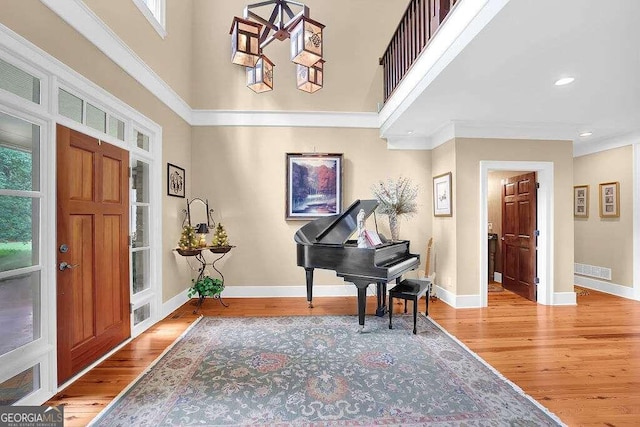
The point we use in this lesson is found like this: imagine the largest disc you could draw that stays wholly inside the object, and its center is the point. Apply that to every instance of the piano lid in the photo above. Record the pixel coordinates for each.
(335, 229)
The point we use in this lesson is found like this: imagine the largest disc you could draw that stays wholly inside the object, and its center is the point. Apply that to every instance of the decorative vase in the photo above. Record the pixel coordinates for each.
(394, 225)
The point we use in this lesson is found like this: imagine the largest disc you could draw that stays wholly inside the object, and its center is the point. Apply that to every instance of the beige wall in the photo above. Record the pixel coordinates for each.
(171, 57)
(242, 173)
(606, 242)
(444, 228)
(353, 76)
(494, 209)
(469, 153)
(32, 20)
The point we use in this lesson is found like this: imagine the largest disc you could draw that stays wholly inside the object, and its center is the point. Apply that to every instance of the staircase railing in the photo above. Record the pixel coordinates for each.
(420, 22)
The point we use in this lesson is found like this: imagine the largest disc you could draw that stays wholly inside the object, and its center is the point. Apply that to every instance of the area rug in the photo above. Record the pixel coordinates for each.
(319, 371)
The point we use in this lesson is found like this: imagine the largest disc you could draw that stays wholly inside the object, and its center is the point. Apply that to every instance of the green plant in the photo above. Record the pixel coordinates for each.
(206, 287)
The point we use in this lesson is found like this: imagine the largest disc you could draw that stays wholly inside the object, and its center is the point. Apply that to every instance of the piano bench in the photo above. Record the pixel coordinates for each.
(410, 289)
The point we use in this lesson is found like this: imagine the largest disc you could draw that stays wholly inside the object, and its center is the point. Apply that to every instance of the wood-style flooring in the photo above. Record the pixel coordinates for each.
(582, 362)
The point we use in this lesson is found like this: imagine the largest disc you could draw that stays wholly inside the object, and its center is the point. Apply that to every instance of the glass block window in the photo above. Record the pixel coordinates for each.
(116, 128)
(70, 106)
(140, 182)
(19, 154)
(140, 226)
(20, 386)
(140, 268)
(141, 313)
(96, 118)
(18, 82)
(142, 141)
(20, 296)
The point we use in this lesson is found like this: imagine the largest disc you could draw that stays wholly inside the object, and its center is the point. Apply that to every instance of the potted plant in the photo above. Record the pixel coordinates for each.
(206, 286)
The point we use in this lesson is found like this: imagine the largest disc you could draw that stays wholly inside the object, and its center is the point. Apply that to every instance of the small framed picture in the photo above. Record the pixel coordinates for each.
(175, 181)
(581, 201)
(609, 200)
(442, 195)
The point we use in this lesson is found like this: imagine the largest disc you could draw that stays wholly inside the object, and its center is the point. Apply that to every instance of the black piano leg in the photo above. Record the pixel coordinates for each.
(382, 299)
(362, 305)
(309, 274)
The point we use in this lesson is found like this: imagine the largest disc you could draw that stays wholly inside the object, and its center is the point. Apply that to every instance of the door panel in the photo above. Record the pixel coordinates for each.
(519, 240)
(93, 208)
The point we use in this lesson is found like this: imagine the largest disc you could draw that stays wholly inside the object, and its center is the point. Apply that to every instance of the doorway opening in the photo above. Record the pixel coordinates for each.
(544, 171)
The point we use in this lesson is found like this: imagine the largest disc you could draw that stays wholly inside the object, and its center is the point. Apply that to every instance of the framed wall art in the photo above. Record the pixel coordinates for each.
(175, 181)
(581, 201)
(442, 195)
(314, 185)
(609, 200)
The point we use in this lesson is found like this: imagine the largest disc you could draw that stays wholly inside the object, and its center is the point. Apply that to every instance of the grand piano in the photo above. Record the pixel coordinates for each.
(323, 243)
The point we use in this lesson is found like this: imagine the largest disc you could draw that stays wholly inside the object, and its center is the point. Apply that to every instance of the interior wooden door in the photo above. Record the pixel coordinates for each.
(93, 254)
(518, 235)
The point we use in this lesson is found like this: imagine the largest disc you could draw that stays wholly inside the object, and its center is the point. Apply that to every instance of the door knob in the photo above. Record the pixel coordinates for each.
(66, 266)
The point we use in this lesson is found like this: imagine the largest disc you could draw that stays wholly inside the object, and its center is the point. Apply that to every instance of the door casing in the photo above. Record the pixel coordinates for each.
(545, 263)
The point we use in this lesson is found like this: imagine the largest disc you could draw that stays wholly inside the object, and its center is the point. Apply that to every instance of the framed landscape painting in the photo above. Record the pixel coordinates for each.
(314, 185)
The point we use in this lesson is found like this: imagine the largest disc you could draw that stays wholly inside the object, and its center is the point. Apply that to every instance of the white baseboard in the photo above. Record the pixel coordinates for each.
(602, 286)
(457, 301)
(175, 302)
(564, 298)
(497, 277)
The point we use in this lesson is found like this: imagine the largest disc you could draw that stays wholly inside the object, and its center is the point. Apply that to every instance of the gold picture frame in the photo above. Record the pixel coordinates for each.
(581, 201)
(609, 196)
(442, 195)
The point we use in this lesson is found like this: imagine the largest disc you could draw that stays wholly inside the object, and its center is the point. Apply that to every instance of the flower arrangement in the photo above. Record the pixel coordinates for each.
(396, 198)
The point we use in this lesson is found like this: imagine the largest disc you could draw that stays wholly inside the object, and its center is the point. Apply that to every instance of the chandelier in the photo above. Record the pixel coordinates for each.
(252, 33)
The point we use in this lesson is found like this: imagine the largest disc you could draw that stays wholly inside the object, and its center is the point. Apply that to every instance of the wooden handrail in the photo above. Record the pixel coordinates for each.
(417, 27)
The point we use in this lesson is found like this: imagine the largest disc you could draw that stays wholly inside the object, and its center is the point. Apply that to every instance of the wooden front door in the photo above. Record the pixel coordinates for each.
(92, 250)
(518, 235)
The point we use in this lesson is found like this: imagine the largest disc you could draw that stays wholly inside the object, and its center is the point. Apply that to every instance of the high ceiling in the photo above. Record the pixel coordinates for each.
(505, 76)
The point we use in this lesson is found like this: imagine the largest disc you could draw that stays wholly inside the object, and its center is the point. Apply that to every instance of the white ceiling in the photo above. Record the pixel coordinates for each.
(505, 76)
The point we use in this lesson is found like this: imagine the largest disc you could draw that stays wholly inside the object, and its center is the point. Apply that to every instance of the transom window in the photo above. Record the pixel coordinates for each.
(154, 11)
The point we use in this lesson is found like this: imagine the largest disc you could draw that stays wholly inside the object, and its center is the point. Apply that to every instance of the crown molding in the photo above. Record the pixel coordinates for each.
(285, 118)
(582, 148)
(89, 25)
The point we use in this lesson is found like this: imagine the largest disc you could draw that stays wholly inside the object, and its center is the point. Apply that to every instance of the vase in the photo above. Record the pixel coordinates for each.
(394, 225)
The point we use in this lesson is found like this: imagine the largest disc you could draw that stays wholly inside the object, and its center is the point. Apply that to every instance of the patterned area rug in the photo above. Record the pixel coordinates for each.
(319, 371)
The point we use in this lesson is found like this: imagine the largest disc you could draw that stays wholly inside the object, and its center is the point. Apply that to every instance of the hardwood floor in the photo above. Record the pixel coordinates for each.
(581, 362)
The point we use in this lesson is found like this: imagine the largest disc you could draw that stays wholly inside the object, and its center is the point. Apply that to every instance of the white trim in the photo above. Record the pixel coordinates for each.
(82, 18)
(458, 301)
(174, 303)
(545, 266)
(284, 118)
(581, 148)
(564, 298)
(157, 22)
(603, 286)
(636, 221)
(463, 24)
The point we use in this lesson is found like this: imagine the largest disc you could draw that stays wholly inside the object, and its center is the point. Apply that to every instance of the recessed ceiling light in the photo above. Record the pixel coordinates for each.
(585, 134)
(410, 132)
(564, 81)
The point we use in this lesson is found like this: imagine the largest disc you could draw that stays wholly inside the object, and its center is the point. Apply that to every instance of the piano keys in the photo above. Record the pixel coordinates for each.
(323, 243)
